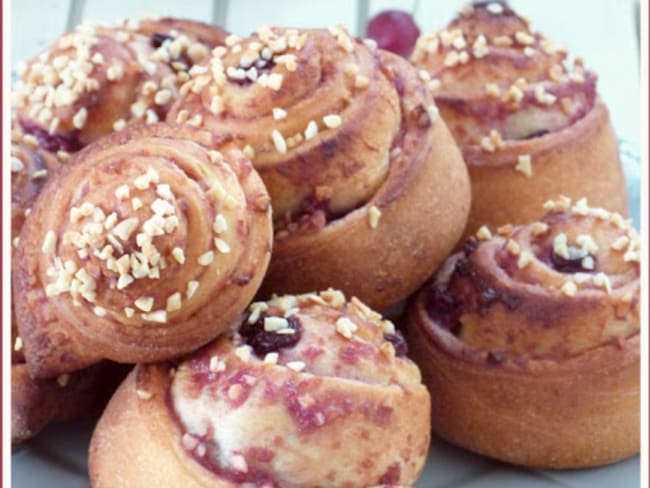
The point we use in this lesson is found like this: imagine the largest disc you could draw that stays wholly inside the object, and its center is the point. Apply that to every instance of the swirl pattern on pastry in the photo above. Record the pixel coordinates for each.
(97, 79)
(549, 313)
(300, 378)
(348, 142)
(106, 267)
(36, 403)
(304, 91)
(490, 72)
(531, 127)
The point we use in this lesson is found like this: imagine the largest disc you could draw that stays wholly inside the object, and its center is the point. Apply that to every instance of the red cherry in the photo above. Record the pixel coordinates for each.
(394, 30)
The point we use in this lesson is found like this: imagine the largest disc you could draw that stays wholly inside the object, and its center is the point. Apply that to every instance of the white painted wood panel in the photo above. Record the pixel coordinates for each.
(110, 10)
(34, 24)
(602, 31)
(244, 16)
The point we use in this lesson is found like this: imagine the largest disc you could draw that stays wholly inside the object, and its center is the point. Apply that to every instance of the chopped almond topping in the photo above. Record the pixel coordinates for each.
(271, 358)
(49, 243)
(159, 316)
(602, 280)
(484, 233)
(274, 324)
(217, 365)
(513, 247)
(243, 353)
(312, 130)
(620, 243)
(16, 165)
(332, 121)
(174, 302)
(569, 288)
(374, 214)
(238, 462)
(524, 165)
(206, 258)
(296, 365)
(79, 119)
(279, 113)
(143, 394)
(346, 327)
(494, 8)
(539, 228)
(222, 246)
(220, 224)
(99, 311)
(279, 142)
(124, 229)
(122, 192)
(144, 303)
(361, 81)
(192, 286)
(525, 258)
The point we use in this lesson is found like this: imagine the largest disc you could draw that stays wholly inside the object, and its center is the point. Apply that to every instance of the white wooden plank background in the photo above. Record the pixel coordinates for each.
(604, 32)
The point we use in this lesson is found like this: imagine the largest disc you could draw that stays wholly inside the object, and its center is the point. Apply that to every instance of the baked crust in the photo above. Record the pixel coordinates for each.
(574, 413)
(578, 161)
(290, 427)
(418, 228)
(358, 164)
(161, 184)
(36, 403)
(530, 127)
(525, 368)
(31, 166)
(97, 78)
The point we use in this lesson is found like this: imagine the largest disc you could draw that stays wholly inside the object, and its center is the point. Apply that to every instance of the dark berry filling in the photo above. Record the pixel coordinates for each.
(443, 307)
(263, 341)
(391, 476)
(470, 245)
(483, 5)
(158, 39)
(398, 342)
(573, 264)
(261, 65)
(535, 134)
(52, 142)
(496, 357)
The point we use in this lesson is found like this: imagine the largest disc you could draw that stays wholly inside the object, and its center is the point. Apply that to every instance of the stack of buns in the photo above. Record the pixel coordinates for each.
(227, 214)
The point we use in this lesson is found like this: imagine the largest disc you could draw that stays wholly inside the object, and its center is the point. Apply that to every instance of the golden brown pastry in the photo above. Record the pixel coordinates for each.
(530, 127)
(308, 390)
(96, 79)
(357, 163)
(31, 166)
(529, 340)
(143, 247)
(35, 403)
